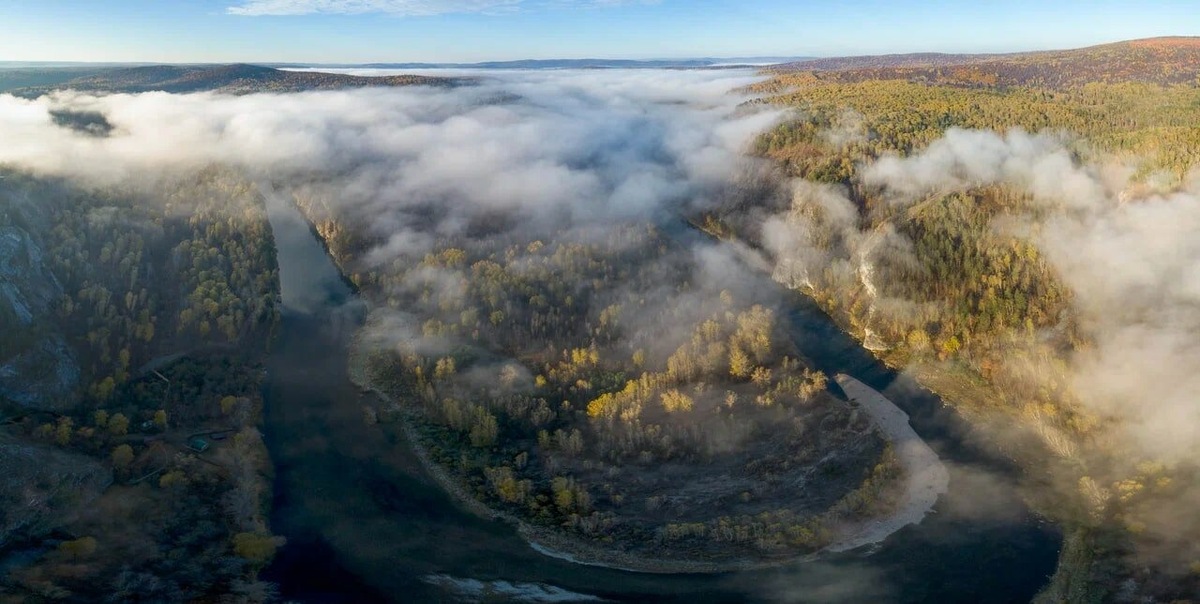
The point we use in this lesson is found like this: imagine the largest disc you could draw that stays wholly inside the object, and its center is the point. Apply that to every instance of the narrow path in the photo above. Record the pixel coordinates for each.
(927, 476)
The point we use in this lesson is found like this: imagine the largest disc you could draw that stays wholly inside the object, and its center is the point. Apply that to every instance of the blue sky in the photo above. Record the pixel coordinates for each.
(474, 30)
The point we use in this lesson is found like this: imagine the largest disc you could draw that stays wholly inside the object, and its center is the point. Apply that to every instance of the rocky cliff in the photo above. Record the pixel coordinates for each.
(37, 368)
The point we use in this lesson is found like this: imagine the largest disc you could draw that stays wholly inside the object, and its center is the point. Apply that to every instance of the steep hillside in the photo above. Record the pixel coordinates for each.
(132, 319)
(964, 278)
(13, 78)
(37, 369)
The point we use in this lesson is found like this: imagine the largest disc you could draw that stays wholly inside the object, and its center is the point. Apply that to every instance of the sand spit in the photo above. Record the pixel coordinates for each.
(927, 476)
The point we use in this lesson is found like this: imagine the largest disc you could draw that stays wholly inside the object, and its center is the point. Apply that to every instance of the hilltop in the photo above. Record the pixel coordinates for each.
(1165, 61)
(232, 79)
(15, 76)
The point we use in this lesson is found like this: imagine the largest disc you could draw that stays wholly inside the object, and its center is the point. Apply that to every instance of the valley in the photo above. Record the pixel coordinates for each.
(845, 329)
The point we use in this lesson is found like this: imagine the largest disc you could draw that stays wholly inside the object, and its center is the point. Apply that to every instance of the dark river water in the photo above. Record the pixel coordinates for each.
(365, 524)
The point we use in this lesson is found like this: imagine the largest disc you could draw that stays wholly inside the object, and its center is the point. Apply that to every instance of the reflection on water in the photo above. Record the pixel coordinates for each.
(307, 278)
(364, 523)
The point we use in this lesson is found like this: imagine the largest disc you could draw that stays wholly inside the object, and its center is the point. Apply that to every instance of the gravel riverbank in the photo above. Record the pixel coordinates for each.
(927, 476)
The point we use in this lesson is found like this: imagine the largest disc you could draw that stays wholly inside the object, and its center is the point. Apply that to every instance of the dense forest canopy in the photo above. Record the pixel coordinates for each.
(556, 379)
(1163, 61)
(150, 307)
(991, 227)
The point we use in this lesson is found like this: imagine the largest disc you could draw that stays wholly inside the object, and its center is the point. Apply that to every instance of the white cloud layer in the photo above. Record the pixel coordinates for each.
(546, 150)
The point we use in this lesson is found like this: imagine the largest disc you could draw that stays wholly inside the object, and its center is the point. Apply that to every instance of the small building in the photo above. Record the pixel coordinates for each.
(198, 444)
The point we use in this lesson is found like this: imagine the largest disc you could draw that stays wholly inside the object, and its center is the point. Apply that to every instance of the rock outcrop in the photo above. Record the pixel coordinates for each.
(37, 368)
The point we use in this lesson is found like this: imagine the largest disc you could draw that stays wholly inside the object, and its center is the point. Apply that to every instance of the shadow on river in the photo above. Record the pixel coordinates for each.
(365, 524)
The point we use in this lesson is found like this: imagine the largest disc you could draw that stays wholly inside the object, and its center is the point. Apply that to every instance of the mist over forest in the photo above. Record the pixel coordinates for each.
(579, 286)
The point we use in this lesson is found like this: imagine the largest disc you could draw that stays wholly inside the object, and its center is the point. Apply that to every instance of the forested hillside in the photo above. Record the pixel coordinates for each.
(925, 236)
(231, 79)
(554, 380)
(1163, 61)
(150, 308)
(27, 76)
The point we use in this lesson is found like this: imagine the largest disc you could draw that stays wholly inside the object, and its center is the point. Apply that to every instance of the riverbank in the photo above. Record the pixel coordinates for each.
(927, 478)
(547, 541)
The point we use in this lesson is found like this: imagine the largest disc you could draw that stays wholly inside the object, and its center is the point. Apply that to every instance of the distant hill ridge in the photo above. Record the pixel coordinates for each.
(31, 80)
(233, 79)
(1166, 60)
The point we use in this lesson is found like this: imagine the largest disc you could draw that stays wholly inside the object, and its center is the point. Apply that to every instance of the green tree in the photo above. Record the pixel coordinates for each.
(105, 388)
(172, 479)
(918, 340)
(484, 429)
(62, 434)
(122, 456)
(445, 369)
(563, 490)
(118, 424)
(675, 401)
(739, 363)
(506, 485)
(949, 347)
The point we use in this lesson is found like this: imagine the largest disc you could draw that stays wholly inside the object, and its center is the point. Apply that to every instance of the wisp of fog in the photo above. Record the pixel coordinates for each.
(563, 151)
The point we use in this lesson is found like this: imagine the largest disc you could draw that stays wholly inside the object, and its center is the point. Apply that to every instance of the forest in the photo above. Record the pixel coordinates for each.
(582, 366)
(952, 284)
(1163, 61)
(231, 79)
(169, 295)
(555, 380)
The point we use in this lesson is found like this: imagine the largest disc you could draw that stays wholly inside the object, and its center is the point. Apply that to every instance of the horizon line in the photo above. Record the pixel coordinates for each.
(789, 56)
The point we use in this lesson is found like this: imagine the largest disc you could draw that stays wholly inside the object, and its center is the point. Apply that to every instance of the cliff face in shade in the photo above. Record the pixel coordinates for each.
(37, 368)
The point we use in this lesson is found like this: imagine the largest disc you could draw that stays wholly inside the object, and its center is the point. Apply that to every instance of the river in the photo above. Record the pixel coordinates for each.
(365, 524)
